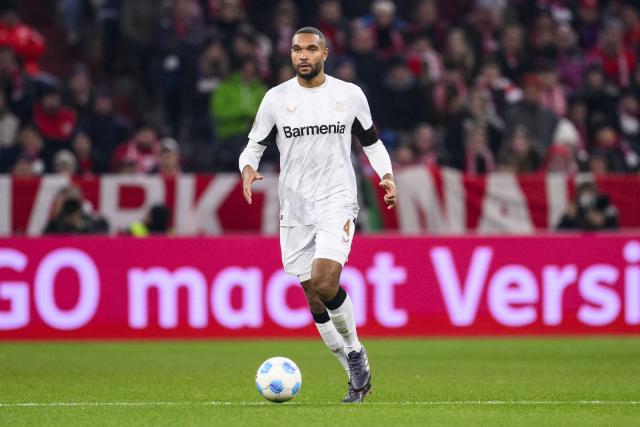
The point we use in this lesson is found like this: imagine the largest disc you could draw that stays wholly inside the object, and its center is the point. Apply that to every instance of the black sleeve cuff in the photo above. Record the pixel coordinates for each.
(366, 137)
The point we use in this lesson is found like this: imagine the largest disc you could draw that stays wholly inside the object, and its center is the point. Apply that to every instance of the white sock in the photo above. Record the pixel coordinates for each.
(334, 341)
(345, 323)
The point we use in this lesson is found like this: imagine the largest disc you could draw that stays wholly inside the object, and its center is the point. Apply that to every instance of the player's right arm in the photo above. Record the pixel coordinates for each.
(262, 134)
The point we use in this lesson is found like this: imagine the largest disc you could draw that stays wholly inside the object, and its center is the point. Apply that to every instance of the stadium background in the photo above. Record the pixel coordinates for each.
(514, 129)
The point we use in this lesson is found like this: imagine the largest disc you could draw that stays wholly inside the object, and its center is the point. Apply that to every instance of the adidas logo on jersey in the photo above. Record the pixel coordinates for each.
(292, 132)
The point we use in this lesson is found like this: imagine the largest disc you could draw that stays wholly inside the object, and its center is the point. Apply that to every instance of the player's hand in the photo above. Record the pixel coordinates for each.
(249, 175)
(391, 192)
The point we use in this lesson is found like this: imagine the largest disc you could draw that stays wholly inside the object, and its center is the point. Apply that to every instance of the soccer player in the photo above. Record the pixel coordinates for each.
(311, 119)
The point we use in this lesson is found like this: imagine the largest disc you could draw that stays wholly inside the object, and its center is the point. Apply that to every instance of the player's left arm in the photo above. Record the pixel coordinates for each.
(373, 147)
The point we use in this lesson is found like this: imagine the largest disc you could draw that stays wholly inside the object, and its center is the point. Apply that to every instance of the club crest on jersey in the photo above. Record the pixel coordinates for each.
(339, 106)
(292, 109)
(295, 132)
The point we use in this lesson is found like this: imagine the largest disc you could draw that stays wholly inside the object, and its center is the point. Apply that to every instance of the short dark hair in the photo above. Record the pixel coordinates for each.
(312, 30)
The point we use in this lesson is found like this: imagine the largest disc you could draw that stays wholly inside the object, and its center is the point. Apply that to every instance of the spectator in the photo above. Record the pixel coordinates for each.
(635, 83)
(478, 110)
(17, 86)
(140, 25)
(181, 33)
(105, 128)
(345, 70)
(542, 39)
(616, 59)
(577, 115)
(448, 95)
(367, 61)
(169, 158)
(72, 220)
(478, 156)
(631, 21)
(459, 53)
(233, 107)
(386, 28)
(24, 40)
(570, 62)
(597, 165)
(30, 149)
(512, 56)
(552, 94)
(109, 16)
(90, 163)
(567, 153)
(184, 23)
(426, 148)
(79, 94)
(427, 23)
(140, 153)
(55, 122)
(590, 211)
(9, 125)
(64, 163)
(402, 107)
(500, 91)
(22, 168)
(71, 215)
(587, 23)
(475, 112)
(455, 11)
(229, 18)
(156, 221)
(243, 46)
(537, 120)
(283, 73)
(560, 159)
(600, 97)
(608, 144)
(403, 156)
(213, 68)
(333, 25)
(629, 120)
(425, 63)
(521, 153)
(283, 25)
(482, 26)
(72, 13)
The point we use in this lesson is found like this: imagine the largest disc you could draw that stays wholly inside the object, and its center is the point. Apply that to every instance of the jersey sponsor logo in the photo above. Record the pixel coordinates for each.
(295, 132)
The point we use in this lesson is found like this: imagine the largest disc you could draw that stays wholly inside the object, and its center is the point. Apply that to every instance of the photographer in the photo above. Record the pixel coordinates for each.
(71, 217)
(590, 210)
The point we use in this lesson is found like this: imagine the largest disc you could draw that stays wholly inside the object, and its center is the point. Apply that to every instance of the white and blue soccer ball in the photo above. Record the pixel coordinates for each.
(278, 379)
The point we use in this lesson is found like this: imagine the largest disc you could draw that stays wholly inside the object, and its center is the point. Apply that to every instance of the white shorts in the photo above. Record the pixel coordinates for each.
(301, 244)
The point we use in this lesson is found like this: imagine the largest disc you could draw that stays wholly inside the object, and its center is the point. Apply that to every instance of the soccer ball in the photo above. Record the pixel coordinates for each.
(278, 379)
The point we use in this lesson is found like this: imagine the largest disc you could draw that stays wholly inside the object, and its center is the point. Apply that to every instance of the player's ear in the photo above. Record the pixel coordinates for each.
(325, 53)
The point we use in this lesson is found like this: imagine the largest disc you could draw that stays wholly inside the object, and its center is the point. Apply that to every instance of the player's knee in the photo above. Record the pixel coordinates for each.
(325, 287)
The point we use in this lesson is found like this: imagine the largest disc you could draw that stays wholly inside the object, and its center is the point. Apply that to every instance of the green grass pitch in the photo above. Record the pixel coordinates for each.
(430, 382)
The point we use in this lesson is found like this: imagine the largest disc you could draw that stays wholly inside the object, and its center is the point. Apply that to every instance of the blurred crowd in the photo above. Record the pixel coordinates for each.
(164, 86)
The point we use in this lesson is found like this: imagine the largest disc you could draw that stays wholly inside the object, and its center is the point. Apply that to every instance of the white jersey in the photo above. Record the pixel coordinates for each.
(313, 130)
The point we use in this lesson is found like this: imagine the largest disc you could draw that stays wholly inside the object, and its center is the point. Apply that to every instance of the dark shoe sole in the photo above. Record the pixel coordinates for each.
(365, 391)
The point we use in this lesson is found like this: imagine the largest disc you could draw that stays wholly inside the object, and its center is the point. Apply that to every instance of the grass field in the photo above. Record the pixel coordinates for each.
(485, 382)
